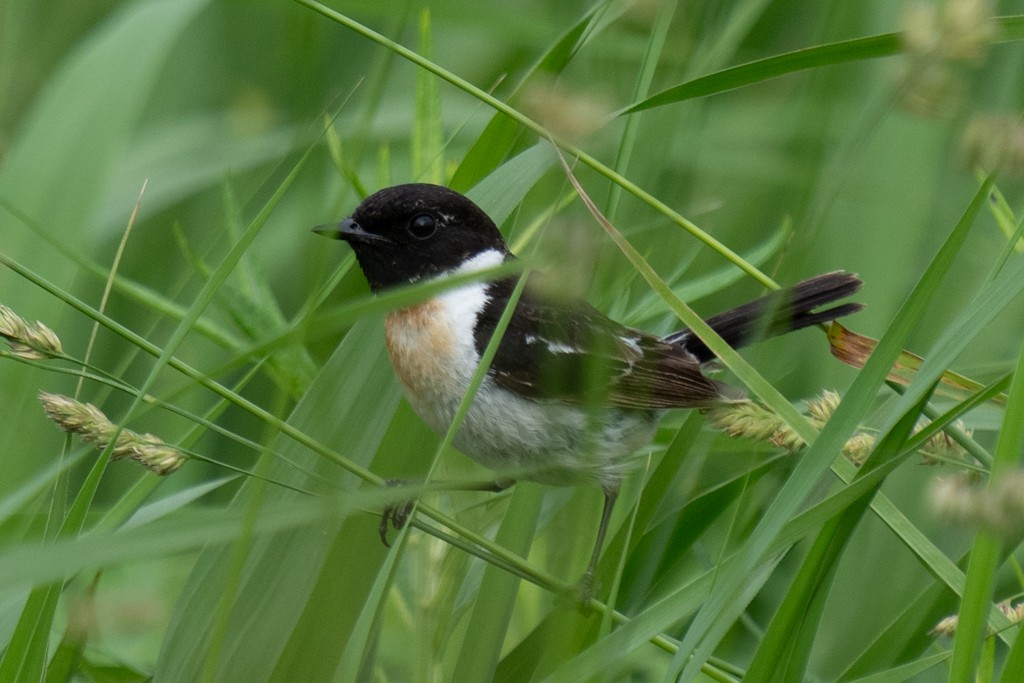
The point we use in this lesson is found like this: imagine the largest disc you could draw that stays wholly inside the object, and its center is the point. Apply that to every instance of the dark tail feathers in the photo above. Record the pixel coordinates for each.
(777, 313)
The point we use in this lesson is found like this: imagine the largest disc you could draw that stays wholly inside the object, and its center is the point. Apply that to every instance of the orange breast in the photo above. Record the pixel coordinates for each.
(421, 345)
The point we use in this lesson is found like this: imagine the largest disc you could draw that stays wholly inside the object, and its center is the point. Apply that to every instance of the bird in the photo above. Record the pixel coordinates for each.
(570, 395)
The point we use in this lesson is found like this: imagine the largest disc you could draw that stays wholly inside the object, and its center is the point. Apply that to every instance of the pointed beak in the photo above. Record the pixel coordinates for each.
(350, 231)
(336, 230)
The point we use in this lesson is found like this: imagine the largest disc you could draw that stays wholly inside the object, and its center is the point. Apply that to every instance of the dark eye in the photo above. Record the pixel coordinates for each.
(422, 226)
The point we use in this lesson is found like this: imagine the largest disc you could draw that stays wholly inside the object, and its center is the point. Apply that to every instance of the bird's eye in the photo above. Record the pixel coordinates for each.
(422, 226)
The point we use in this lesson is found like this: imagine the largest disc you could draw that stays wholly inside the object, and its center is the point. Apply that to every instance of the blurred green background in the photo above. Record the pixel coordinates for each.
(212, 104)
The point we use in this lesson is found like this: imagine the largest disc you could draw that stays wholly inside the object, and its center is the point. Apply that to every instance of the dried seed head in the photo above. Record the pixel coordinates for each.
(959, 30)
(89, 422)
(968, 28)
(76, 417)
(566, 113)
(941, 44)
(943, 448)
(947, 626)
(822, 407)
(1015, 613)
(32, 341)
(952, 499)
(786, 439)
(995, 142)
(997, 508)
(153, 453)
(12, 325)
(745, 419)
(858, 447)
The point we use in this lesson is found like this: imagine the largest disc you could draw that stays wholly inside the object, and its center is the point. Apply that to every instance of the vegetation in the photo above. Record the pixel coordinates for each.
(211, 510)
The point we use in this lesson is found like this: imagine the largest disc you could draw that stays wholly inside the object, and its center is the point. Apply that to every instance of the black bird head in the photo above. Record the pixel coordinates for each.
(404, 233)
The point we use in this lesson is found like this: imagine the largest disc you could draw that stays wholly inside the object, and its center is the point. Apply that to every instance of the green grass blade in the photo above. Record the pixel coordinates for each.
(1013, 669)
(652, 56)
(985, 553)
(28, 647)
(31, 562)
(492, 611)
(714, 619)
(307, 568)
(27, 654)
(502, 134)
(906, 638)
(51, 145)
(906, 672)
(503, 190)
(212, 285)
(357, 656)
(855, 50)
(427, 132)
(660, 614)
(250, 300)
(786, 647)
(149, 297)
(858, 49)
(122, 60)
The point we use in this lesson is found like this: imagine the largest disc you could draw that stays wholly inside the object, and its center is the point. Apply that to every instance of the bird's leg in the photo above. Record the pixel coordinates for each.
(398, 514)
(587, 582)
(393, 515)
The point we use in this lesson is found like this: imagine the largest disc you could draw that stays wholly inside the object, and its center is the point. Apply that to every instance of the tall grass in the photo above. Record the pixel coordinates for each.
(732, 147)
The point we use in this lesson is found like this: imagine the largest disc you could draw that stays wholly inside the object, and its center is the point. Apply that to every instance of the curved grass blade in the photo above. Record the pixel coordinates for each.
(858, 49)
(855, 349)
(842, 52)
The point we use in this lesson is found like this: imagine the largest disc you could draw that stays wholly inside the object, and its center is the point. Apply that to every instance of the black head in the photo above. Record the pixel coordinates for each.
(407, 232)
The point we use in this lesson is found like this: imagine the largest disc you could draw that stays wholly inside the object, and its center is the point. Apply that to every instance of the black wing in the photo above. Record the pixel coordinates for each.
(573, 353)
(786, 310)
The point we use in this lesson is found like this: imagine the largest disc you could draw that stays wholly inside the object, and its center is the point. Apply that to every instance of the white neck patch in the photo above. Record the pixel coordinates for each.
(461, 305)
(482, 261)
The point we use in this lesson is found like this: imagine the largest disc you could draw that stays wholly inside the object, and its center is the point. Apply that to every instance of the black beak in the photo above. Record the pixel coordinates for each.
(327, 230)
(350, 231)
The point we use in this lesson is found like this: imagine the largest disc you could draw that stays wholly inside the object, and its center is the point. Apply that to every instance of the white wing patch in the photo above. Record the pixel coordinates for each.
(553, 346)
(634, 344)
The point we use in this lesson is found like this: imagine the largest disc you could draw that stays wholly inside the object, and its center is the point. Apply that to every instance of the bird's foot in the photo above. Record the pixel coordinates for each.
(395, 515)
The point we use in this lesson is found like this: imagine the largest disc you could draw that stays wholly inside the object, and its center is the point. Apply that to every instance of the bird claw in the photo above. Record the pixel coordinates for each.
(394, 515)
